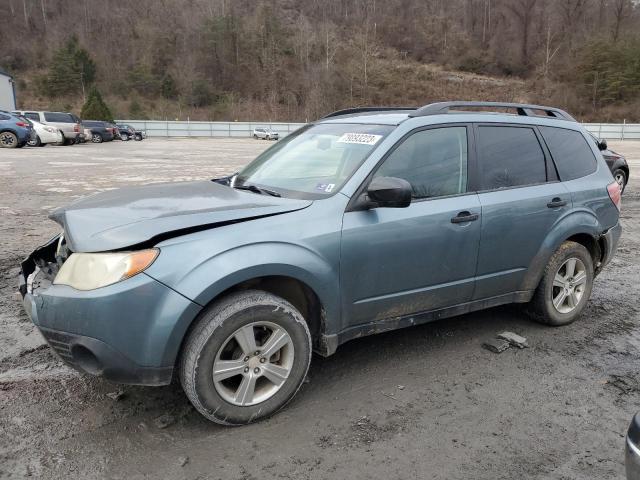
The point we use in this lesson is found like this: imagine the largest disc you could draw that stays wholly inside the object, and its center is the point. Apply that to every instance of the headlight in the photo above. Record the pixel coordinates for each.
(88, 271)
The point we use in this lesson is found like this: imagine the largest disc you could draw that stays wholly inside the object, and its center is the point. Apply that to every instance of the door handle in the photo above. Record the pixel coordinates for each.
(464, 217)
(556, 202)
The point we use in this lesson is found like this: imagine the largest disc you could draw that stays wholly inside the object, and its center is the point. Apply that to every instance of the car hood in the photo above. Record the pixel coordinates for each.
(133, 216)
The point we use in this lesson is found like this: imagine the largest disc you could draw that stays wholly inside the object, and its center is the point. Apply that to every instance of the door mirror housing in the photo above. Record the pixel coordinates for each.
(390, 192)
(602, 144)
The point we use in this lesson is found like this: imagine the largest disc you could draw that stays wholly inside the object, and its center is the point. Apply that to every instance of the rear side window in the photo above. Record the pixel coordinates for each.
(570, 151)
(32, 116)
(58, 117)
(509, 157)
(4, 117)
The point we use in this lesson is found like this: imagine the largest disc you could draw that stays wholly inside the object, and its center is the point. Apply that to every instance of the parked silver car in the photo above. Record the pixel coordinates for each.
(67, 123)
(265, 133)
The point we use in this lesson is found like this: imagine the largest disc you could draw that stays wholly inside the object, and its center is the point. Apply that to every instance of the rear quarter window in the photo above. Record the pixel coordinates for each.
(570, 151)
(58, 117)
(32, 116)
(4, 117)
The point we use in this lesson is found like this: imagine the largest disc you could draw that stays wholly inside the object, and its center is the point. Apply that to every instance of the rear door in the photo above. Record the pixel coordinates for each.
(399, 261)
(521, 199)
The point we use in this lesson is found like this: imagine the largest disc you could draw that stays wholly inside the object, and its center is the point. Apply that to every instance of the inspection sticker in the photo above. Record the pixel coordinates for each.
(360, 138)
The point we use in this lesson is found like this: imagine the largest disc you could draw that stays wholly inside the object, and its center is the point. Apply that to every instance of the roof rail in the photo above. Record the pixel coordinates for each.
(349, 111)
(522, 109)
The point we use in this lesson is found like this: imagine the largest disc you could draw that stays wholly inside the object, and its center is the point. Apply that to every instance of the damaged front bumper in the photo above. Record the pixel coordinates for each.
(128, 332)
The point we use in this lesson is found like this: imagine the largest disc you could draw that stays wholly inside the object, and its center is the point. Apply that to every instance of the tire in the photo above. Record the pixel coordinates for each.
(35, 143)
(255, 136)
(96, 138)
(213, 339)
(124, 137)
(620, 177)
(138, 138)
(8, 140)
(542, 308)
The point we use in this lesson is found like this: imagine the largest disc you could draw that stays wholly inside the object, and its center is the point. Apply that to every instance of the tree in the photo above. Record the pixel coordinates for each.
(95, 108)
(136, 111)
(71, 70)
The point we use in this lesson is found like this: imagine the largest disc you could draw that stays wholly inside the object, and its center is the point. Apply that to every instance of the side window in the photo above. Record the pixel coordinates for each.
(58, 117)
(4, 117)
(509, 157)
(433, 161)
(570, 151)
(32, 116)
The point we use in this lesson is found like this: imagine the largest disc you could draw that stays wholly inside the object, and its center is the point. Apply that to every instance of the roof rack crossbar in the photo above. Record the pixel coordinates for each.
(350, 111)
(521, 108)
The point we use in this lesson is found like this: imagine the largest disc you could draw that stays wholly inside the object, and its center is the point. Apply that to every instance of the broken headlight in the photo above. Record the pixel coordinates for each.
(88, 271)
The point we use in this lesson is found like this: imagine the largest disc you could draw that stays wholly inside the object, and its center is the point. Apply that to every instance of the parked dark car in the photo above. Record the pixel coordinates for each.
(100, 131)
(365, 221)
(127, 132)
(15, 131)
(616, 162)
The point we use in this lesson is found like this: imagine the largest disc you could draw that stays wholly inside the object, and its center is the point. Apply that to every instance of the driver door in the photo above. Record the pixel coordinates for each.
(401, 261)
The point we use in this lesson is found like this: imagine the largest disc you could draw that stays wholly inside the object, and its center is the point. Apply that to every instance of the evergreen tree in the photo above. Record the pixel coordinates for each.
(136, 112)
(71, 70)
(95, 108)
(168, 88)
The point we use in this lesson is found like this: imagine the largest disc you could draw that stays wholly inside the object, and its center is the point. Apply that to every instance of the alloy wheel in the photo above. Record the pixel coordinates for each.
(8, 139)
(620, 179)
(253, 363)
(569, 285)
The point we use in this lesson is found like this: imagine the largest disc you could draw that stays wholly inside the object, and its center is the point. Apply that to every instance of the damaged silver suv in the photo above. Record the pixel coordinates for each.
(365, 221)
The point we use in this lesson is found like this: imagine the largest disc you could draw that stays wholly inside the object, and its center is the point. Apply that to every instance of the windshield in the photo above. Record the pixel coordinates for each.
(313, 162)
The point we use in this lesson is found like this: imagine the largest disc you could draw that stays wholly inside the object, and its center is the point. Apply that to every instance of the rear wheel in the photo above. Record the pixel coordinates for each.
(246, 357)
(565, 287)
(621, 178)
(96, 138)
(8, 140)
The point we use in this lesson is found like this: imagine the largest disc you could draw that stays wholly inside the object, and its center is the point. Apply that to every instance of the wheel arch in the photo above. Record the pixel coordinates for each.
(580, 226)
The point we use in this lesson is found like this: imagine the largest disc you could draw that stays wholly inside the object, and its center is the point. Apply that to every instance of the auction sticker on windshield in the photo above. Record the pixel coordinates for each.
(359, 138)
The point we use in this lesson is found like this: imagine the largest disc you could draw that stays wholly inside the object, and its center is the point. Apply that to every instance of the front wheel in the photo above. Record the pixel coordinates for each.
(35, 142)
(565, 287)
(245, 358)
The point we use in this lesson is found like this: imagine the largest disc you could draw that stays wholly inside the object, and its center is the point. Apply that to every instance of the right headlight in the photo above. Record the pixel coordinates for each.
(88, 271)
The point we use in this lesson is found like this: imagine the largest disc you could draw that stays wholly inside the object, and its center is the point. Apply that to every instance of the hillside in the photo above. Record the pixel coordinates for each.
(298, 59)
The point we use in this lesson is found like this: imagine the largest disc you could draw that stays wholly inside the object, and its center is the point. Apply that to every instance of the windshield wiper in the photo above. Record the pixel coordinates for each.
(256, 189)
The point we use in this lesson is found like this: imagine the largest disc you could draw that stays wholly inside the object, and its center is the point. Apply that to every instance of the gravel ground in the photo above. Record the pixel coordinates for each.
(423, 402)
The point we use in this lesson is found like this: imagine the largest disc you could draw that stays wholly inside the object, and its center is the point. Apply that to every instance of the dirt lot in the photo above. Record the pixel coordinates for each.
(425, 402)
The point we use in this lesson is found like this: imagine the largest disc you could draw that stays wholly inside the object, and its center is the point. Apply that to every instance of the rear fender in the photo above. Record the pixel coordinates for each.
(576, 222)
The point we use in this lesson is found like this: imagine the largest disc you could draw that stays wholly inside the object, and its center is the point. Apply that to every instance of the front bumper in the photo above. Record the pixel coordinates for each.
(632, 449)
(128, 332)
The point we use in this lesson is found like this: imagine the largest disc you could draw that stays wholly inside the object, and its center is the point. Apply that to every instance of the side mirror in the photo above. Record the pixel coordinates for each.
(389, 192)
(602, 144)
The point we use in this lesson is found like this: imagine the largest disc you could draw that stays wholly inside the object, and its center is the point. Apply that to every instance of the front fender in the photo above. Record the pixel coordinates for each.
(206, 280)
(579, 221)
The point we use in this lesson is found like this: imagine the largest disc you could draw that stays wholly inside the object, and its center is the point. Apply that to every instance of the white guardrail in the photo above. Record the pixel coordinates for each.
(160, 128)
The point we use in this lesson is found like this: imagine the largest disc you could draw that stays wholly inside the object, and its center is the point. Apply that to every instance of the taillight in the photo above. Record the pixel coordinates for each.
(615, 193)
(76, 127)
(22, 124)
